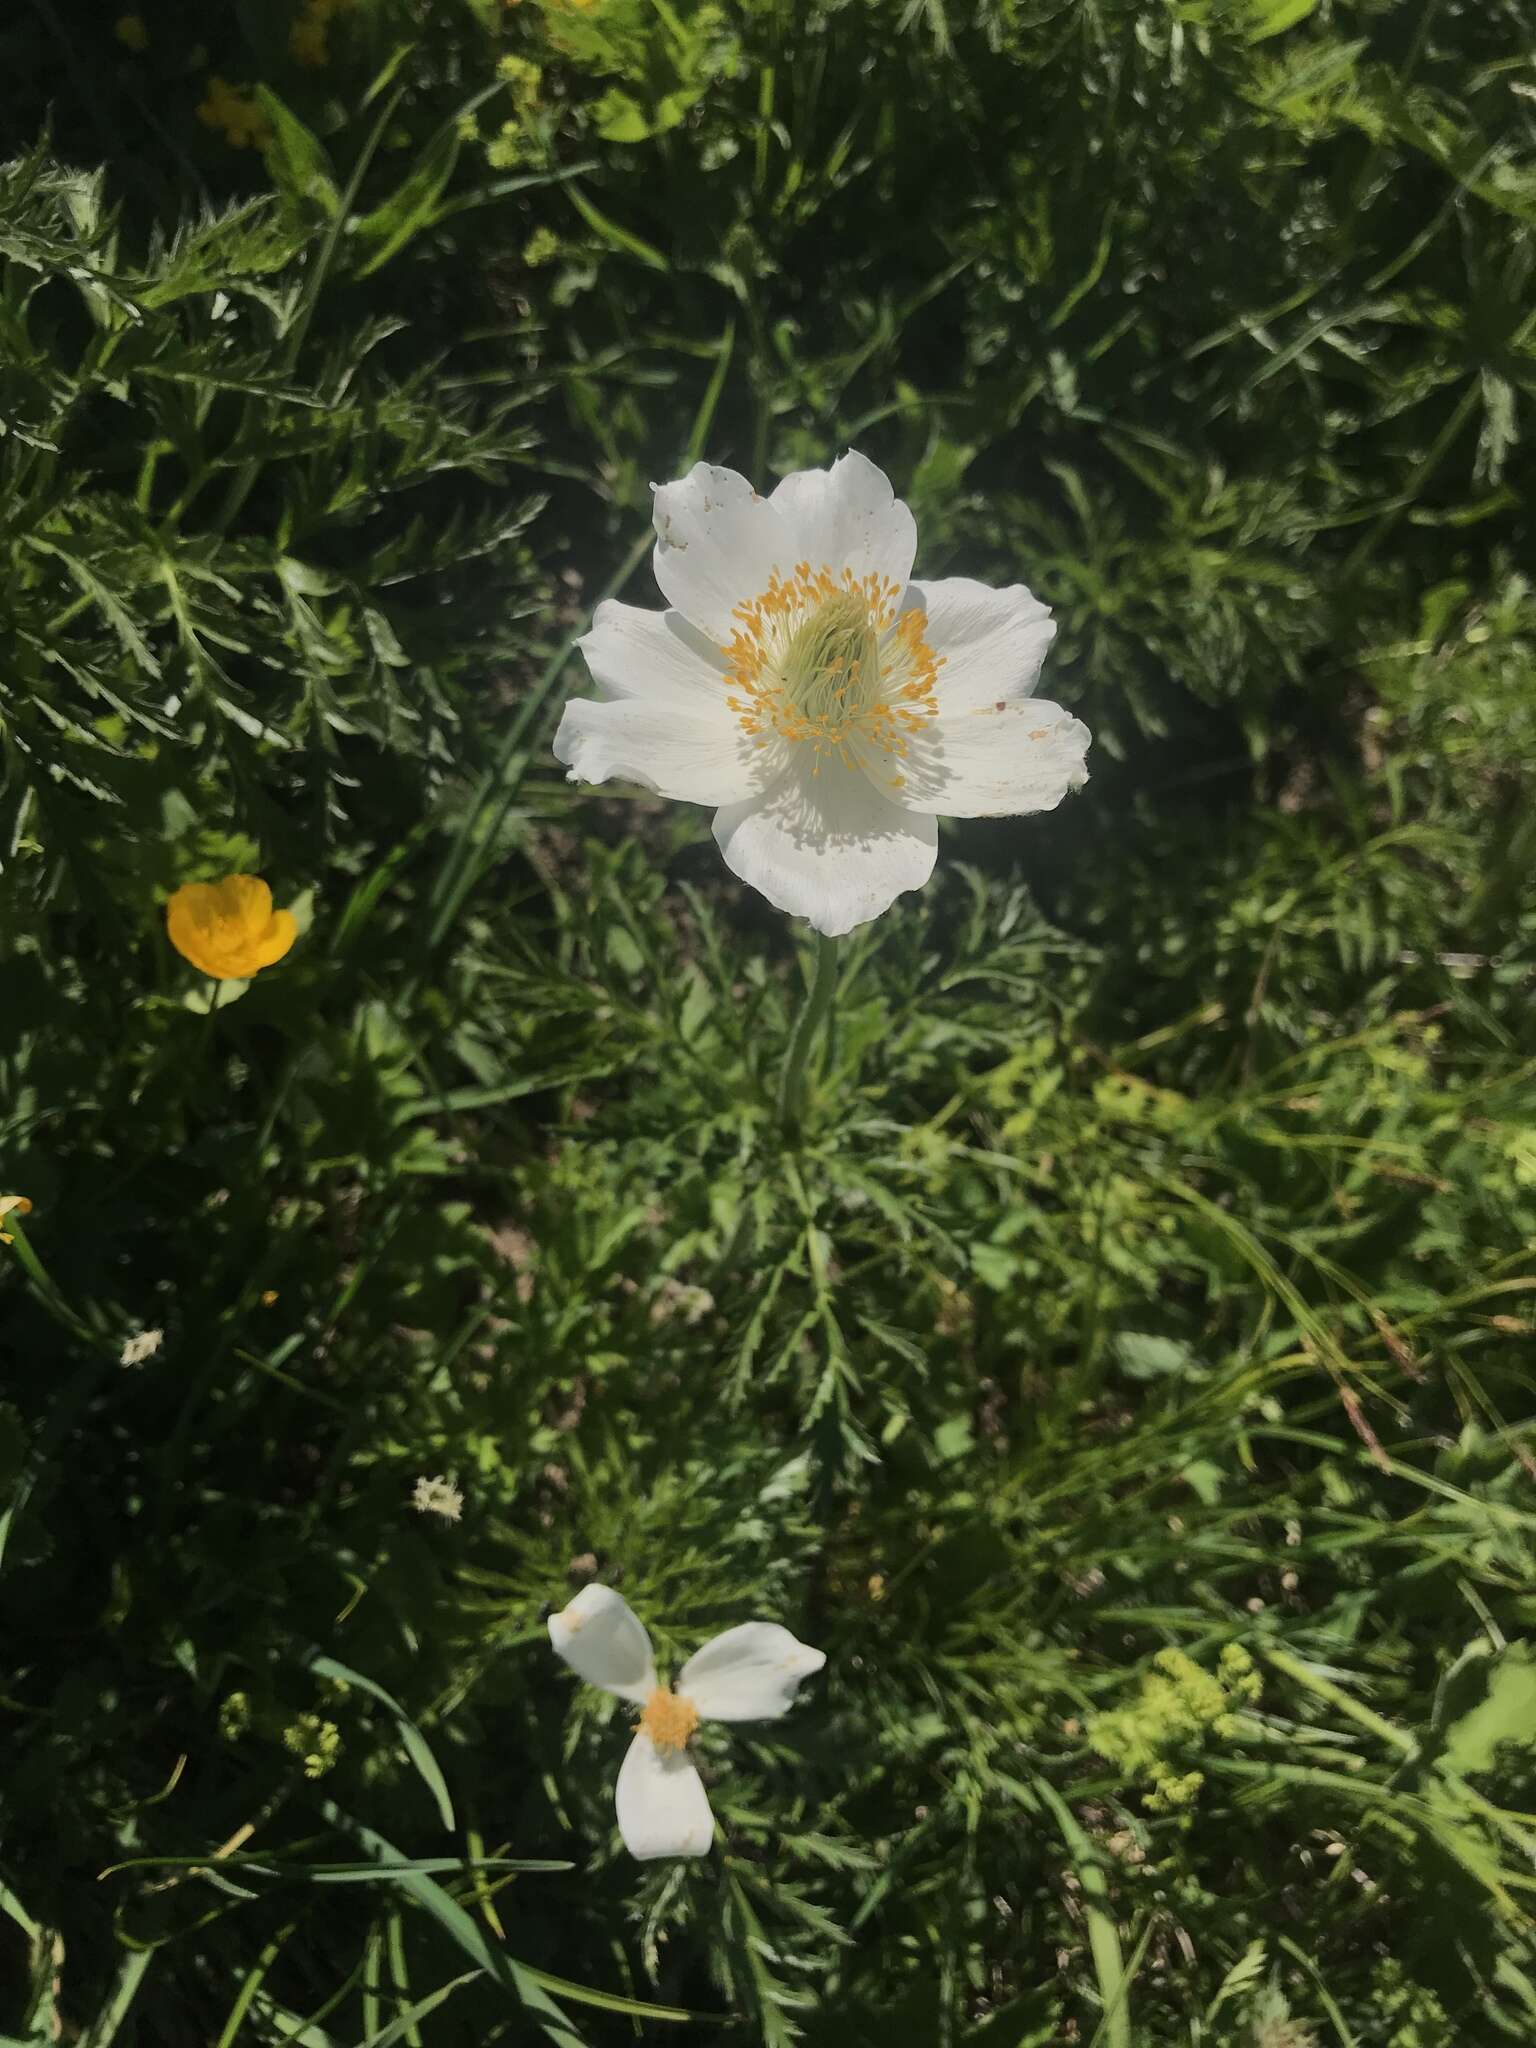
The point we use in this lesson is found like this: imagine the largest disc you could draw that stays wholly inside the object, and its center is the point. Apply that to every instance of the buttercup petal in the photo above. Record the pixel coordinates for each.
(994, 763)
(201, 927)
(662, 1807)
(271, 944)
(717, 545)
(993, 642)
(653, 656)
(599, 1635)
(848, 517)
(699, 754)
(749, 1673)
(244, 900)
(190, 927)
(829, 847)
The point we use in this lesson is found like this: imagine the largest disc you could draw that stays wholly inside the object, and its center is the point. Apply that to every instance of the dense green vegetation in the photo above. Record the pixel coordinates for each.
(1123, 1371)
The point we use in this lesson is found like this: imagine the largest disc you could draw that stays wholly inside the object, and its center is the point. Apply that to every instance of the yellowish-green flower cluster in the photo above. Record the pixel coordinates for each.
(542, 246)
(309, 37)
(233, 110)
(524, 77)
(317, 1743)
(512, 143)
(507, 147)
(131, 32)
(235, 1716)
(1284, 2033)
(1181, 1707)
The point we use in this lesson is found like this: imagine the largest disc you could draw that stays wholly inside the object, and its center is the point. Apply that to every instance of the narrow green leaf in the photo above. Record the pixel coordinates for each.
(414, 203)
(1103, 1935)
(410, 1735)
(398, 2028)
(1270, 17)
(612, 233)
(102, 2032)
(295, 156)
(531, 1985)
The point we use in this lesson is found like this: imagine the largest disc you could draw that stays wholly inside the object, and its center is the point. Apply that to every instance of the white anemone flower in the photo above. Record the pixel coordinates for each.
(748, 1674)
(831, 708)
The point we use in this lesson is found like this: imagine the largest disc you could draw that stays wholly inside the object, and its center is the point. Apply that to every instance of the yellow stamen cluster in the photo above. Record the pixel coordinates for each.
(233, 108)
(307, 38)
(132, 33)
(829, 660)
(669, 1720)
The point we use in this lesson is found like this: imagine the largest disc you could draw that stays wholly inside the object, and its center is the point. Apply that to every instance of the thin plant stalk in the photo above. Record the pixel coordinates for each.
(818, 1005)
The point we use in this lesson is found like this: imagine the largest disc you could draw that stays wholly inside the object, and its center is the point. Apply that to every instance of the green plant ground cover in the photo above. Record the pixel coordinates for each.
(1121, 1363)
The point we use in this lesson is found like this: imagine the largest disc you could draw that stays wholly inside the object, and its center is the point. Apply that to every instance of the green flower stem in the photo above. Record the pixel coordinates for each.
(792, 1082)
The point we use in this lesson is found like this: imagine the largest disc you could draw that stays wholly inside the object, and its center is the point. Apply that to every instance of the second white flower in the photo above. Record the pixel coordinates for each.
(749, 1673)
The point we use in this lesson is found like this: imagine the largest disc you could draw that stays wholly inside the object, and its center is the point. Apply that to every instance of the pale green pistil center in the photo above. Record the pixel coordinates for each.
(831, 670)
(829, 663)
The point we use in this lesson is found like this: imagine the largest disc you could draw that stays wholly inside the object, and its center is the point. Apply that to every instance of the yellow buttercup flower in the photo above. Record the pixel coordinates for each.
(229, 929)
(307, 41)
(131, 32)
(233, 108)
(12, 1205)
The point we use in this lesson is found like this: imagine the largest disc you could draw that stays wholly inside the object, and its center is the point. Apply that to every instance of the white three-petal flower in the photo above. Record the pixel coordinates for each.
(832, 708)
(748, 1674)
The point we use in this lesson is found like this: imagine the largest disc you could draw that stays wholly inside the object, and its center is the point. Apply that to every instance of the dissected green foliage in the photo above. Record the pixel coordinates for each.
(229, 551)
(1124, 1374)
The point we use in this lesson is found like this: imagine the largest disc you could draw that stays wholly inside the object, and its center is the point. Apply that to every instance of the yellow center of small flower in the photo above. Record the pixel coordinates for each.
(828, 661)
(669, 1720)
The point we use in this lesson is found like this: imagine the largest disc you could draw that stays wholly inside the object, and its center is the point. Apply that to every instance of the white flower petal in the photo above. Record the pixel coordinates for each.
(634, 653)
(829, 847)
(717, 544)
(748, 1674)
(848, 517)
(995, 762)
(661, 1803)
(698, 753)
(602, 1639)
(992, 641)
